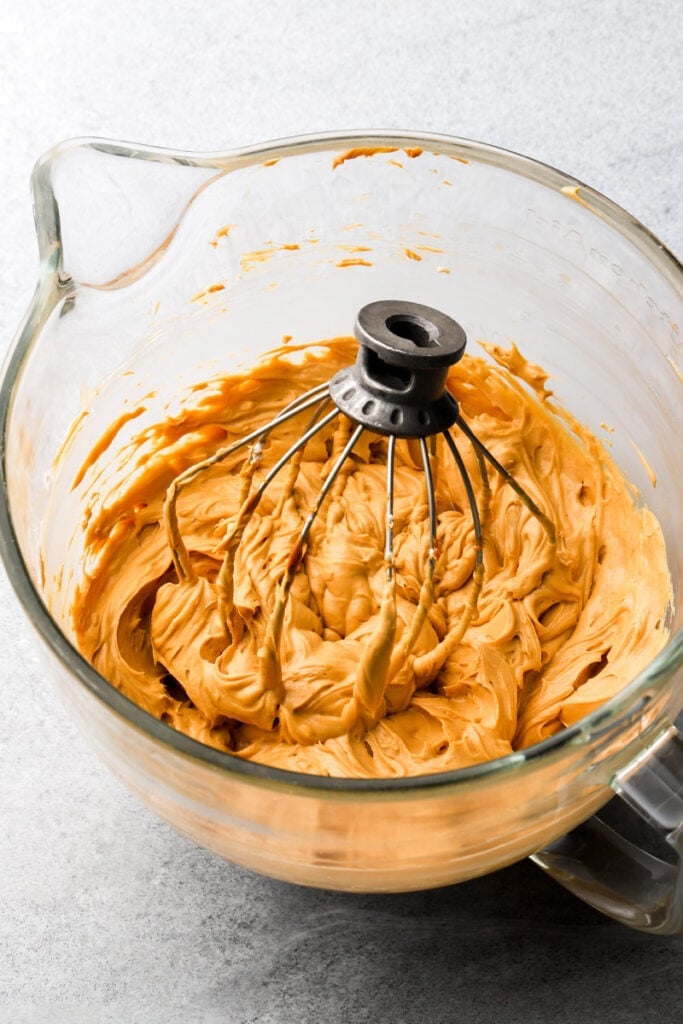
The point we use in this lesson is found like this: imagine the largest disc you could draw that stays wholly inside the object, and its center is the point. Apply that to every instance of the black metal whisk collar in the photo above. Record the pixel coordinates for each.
(397, 385)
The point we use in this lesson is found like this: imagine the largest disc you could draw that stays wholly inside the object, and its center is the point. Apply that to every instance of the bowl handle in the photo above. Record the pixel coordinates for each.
(617, 874)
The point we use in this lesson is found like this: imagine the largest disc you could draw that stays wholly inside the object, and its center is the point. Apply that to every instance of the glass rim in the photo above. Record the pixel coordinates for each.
(46, 295)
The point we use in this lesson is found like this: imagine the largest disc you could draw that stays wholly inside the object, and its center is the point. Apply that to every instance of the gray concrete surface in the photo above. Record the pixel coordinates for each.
(105, 913)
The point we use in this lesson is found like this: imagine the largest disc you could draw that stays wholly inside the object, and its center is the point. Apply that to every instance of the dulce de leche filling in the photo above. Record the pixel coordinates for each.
(370, 679)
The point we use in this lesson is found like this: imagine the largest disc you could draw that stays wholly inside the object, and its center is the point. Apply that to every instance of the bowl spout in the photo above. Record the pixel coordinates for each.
(105, 211)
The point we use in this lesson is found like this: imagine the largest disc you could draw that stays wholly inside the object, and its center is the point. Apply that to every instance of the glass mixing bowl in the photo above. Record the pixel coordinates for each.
(157, 266)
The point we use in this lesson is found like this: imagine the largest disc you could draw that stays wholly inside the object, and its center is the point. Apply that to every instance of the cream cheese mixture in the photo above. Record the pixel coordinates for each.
(558, 627)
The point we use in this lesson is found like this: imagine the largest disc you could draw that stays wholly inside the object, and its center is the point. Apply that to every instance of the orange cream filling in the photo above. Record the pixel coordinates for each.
(370, 680)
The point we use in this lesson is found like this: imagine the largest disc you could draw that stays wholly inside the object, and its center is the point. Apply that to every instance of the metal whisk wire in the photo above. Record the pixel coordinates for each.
(179, 552)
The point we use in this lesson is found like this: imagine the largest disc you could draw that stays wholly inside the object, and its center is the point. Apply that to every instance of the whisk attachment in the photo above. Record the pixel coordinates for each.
(397, 389)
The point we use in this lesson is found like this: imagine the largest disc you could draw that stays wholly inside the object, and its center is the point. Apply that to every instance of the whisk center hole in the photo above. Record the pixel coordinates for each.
(413, 328)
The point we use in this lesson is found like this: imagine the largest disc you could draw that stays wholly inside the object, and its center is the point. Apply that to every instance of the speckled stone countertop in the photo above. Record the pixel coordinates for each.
(107, 914)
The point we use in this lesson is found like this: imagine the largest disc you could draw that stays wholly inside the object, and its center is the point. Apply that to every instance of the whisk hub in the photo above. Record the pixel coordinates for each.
(398, 382)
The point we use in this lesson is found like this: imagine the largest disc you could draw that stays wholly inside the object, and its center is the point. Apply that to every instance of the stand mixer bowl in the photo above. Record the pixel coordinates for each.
(158, 267)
